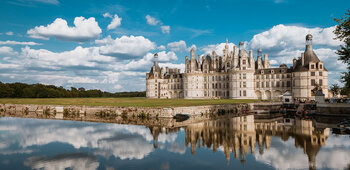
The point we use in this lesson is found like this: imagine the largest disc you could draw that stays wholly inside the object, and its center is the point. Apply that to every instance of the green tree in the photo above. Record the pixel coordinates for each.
(335, 89)
(342, 32)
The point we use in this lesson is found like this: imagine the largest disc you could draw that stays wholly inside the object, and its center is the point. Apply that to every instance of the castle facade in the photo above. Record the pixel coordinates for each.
(237, 75)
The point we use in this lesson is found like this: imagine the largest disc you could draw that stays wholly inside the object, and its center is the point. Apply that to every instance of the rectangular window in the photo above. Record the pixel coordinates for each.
(257, 84)
(244, 93)
(244, 75)
(312, 73)
(244, 62)
(288, 75)
(288, 83)
(320, 82)
(277, 76)
(320, 73)
(321, 66)
(267, 84)
(257, 77)
(282, 83)
(244, 84)
(312, 82)
(277, 84)
(262, 84)
(312, 66)
(272, 84)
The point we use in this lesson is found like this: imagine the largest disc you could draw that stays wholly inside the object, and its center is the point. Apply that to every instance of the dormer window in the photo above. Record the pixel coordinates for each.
(312, 66)
(321, 66)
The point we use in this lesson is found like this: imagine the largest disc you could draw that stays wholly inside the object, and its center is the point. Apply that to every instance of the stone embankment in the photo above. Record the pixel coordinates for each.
(111, 111)
(335, 109)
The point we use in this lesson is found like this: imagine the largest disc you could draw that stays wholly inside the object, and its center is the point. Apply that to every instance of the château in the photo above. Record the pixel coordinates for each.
(238, 75)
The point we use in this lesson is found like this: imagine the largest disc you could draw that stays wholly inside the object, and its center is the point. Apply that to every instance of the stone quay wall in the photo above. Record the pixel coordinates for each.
(102, 111)
(341, 109)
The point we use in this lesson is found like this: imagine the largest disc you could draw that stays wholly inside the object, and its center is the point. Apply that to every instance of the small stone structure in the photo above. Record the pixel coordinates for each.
(287, 98)
(319, 97)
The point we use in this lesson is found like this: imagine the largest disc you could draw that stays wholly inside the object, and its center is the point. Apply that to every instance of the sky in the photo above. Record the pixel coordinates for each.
(109, 45)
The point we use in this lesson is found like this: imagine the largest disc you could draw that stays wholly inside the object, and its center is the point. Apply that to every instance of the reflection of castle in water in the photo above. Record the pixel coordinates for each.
(240, 134)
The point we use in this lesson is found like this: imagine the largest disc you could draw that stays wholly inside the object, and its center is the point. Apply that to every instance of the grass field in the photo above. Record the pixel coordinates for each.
(123, 102)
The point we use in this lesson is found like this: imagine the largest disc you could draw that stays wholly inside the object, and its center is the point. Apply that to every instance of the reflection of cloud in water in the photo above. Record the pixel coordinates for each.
(281, 156)
(177, 148)
(64, 161)
(125, 146)
(334, 159)
(284, 158)
(107, 139)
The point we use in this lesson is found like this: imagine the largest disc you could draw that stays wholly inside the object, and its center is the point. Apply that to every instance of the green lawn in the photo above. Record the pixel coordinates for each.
(123, 102)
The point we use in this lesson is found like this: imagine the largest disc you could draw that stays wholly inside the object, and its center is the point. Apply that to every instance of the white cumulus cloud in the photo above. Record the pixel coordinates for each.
(107, 15)
(125, 47)
(165, 29)
(217, 48)
(116, 22)
(9, 33)
(8, 42)
(177, 46)
(281, 36)
(83, 30)
(4, 50)
(151, 20)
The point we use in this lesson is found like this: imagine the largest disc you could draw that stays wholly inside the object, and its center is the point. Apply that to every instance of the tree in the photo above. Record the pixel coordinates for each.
(335, 89)
(342, 32)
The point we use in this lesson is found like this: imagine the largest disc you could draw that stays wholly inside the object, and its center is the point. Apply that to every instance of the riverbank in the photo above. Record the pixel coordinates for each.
(124, 102)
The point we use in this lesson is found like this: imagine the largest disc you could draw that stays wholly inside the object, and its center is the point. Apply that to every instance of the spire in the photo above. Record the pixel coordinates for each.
(156, 59)
(226, 46)
(259, 52)
(241, 45)
(193, 56)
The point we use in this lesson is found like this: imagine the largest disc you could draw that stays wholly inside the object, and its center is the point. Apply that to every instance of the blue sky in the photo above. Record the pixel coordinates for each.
(109, 45)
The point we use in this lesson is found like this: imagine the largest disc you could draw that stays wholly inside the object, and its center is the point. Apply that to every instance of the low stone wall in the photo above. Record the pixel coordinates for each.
(269, 106)
(112, 111)
(341, 109)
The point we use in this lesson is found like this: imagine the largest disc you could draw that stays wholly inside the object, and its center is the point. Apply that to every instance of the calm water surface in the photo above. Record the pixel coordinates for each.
(233, 143)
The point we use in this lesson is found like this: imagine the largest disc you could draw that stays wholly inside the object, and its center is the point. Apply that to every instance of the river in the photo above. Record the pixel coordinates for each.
(228, 143)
